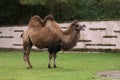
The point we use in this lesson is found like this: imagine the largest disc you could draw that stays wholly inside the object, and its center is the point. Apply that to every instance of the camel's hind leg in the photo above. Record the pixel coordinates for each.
(27, 47)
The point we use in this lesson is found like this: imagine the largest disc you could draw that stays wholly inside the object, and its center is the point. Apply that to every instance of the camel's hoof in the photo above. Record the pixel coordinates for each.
(54, 66)
(49, 66)
(29, 67)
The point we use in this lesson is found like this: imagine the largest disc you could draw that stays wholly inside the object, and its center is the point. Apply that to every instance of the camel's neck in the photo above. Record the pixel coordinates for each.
(69, 39)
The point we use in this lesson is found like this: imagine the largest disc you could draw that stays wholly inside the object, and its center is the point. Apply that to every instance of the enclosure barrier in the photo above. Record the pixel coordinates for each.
(98, 35)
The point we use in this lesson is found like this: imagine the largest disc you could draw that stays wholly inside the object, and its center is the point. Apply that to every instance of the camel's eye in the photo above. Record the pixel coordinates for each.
(76, 25)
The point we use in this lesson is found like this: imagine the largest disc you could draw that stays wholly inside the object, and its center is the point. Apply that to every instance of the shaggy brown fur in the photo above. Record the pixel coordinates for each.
(70, 37)
(47, 34)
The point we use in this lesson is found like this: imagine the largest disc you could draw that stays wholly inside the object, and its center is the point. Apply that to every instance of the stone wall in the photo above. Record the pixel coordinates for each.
(99, 35)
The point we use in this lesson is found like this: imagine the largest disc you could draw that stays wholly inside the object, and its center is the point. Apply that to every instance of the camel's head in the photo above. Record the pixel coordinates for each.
(76, 26)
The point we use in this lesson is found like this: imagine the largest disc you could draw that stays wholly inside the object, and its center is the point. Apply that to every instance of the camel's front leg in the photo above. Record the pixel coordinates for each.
(54, 61)
(49, 62)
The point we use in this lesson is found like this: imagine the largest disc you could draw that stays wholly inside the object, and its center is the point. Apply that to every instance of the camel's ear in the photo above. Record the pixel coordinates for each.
(74, 22)
(21, 35)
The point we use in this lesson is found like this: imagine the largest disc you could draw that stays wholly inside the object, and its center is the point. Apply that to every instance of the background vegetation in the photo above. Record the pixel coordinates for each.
(18, 12)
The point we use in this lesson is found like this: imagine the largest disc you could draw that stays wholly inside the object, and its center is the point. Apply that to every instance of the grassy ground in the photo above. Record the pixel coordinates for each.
(71, 66)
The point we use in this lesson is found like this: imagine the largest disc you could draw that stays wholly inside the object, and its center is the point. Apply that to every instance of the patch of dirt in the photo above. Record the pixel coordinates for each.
(108, 75)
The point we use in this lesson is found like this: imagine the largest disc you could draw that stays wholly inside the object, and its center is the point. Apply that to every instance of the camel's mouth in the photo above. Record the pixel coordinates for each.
(82, 28)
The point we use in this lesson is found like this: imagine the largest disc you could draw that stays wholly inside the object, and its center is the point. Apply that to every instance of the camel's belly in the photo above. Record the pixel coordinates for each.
(40, 45)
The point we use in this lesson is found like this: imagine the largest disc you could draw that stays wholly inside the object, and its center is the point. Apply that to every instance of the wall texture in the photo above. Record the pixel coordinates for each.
(99, 35)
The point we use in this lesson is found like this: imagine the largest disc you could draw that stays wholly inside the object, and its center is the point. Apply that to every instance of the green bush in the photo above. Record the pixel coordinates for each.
(18, 12)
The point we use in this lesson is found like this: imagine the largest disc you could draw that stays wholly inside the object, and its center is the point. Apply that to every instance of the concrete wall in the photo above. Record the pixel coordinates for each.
(98, 35)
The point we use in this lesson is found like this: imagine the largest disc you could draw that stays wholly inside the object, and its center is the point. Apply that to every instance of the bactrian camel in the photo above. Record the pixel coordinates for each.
(47, 34)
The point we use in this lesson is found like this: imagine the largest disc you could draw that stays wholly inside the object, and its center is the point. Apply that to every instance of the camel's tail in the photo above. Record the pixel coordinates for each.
(21, 35)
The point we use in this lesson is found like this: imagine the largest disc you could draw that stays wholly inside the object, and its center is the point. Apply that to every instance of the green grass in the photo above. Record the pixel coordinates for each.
(71, 66)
